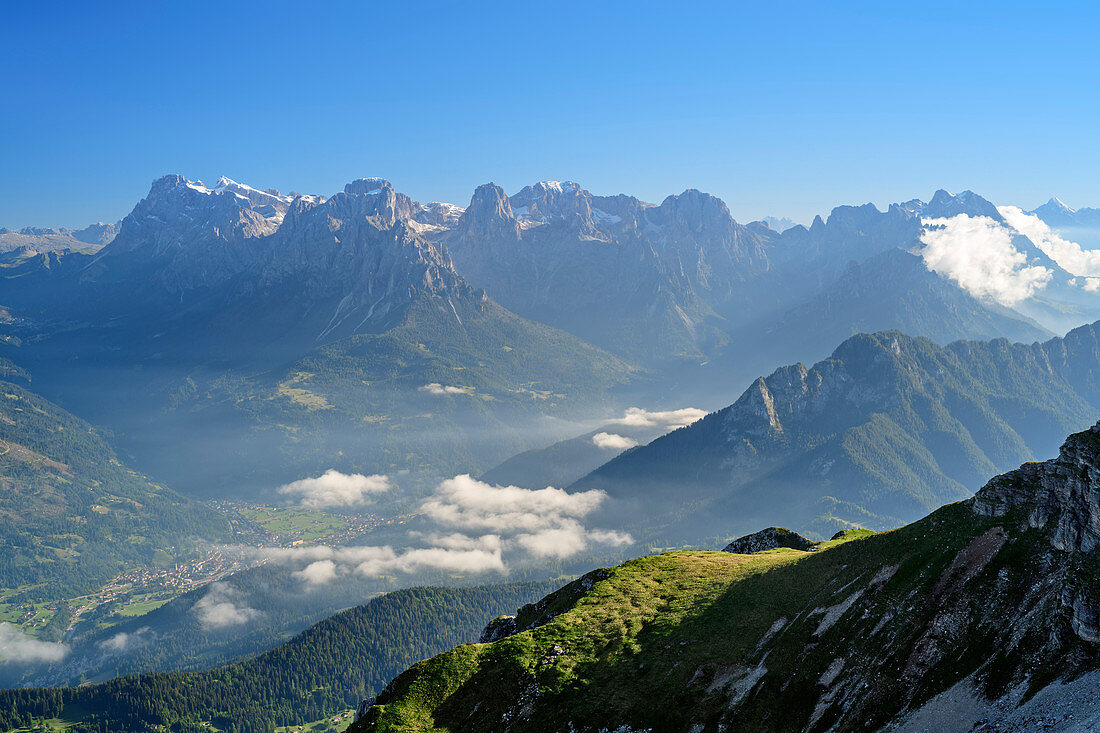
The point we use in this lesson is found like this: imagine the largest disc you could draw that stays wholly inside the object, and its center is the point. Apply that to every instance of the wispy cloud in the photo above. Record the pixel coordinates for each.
(671, 419)
(125, 641)
(335, 489)
(613, 441)
(223, 607)
(17, 647)
(436, 388)
(978, 254)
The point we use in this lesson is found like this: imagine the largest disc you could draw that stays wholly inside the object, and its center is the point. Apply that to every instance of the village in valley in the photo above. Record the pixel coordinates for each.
(140, 590)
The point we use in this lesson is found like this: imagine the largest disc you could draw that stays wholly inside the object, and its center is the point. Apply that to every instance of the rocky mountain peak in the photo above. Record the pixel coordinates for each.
(373, 198)
(1056, 203)
(1062, 493)
(945, 205)
(439, 214)
(556, 203)
(179, 213)
(489, 216)
(694, 211)
(1056, 213)
(367, 186)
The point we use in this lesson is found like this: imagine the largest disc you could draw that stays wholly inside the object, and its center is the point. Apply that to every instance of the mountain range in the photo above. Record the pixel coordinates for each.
(308, 325)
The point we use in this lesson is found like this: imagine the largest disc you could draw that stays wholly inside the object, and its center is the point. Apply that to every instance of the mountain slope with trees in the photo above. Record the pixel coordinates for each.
(323, 671)
(886, 429)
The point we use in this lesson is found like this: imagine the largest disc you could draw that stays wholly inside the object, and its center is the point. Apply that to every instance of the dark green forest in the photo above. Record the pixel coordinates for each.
(327, 669)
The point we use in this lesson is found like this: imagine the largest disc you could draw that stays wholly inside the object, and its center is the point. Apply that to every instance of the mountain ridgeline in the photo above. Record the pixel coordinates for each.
(984, 613)
(304, 328)
(886, 429)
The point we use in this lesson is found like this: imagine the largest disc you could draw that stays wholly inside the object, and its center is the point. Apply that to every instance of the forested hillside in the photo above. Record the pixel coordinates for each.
(72, 515)
(886, 429)
(326, 669)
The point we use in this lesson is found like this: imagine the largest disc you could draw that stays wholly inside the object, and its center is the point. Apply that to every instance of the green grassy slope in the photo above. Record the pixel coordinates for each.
(847, 636)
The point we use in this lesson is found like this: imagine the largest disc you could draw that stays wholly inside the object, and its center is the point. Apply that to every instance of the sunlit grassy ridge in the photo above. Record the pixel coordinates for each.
(669, 639)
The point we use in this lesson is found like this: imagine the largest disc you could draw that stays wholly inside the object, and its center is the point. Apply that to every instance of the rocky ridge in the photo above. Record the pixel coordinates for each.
(771, 538)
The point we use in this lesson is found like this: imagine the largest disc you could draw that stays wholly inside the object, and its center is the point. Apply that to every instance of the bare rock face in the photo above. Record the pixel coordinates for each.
(498, 628)
(557, 253)
(1064, 493)
(771, 538)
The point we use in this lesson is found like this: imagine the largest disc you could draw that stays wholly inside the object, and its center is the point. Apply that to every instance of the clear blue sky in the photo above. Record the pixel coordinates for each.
(779, 108)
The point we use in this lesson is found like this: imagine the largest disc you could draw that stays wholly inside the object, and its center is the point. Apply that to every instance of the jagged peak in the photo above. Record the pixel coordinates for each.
(770, 538)
(1058, 204)
(556, 185)
(489, 197)
(367, 186)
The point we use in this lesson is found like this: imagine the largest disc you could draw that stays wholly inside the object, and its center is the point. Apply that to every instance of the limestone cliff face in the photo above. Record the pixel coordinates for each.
(1062, 494)
(639, 279)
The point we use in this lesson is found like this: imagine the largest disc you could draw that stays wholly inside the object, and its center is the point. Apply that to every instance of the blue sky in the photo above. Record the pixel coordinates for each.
(778, 108)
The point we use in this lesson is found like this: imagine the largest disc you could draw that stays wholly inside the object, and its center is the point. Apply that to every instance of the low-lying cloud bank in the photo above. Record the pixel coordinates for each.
(671, 419)
(473, 527)
(18, 648)
(223, 607)
(335, 489)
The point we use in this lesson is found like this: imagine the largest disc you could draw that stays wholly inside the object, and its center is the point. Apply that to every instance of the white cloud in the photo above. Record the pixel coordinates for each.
(335, 489)
(671, 419)
(124, 641)
(477, 528)
(453, 553)
(318, 572)
(15, 646)
(221, 608)
(441, 389)
(1069, 255)
(613, 441)
(977, 253)
(466, 503)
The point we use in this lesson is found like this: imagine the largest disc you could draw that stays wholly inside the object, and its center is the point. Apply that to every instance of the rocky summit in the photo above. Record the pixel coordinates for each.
(771, 538)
